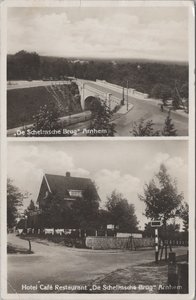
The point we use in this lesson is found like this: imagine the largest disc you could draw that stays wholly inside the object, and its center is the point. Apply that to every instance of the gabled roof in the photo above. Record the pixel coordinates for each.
(62, 184)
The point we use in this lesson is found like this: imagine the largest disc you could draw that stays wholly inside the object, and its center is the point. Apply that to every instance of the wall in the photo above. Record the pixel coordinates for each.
(103, 243)
(131, 92)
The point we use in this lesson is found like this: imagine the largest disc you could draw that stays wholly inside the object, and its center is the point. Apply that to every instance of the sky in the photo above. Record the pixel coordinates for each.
(159, 33)
(124, 166)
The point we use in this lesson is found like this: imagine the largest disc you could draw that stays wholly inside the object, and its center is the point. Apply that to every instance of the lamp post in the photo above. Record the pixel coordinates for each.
(123, 96)
(109, 100)
(127, 95)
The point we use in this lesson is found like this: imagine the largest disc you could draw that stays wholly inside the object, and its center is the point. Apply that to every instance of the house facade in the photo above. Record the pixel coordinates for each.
(68, 188)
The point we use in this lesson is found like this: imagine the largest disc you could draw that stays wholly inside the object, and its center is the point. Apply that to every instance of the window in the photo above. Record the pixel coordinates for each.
(75, 193)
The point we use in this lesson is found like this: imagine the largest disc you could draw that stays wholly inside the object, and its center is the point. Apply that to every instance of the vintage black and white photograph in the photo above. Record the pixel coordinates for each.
(81, 222)
(98, 70)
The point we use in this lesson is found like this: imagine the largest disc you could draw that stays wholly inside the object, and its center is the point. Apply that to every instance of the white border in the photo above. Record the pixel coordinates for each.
(190, 139)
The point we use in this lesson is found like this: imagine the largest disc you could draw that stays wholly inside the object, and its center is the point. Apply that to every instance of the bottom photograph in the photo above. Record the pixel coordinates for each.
(97, 217)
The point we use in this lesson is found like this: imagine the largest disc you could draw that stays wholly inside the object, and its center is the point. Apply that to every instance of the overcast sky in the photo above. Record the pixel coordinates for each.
(159, 33)
(122, 165)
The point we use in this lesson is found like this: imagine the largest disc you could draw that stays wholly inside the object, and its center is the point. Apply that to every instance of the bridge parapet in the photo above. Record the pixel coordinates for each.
(118, 88)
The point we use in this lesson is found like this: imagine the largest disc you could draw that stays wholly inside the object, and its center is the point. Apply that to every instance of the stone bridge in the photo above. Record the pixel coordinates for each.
(87, 94)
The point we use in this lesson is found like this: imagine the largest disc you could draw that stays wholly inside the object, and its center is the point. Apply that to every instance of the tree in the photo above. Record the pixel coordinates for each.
(31, 206)
(104, 218)
(184, 214)
(85, 209)
(47, 119)
(101, 121)
(14, 201)
(161, 91)
(55, 214)
(161, 196)
(169, 129)
(121, 212)
(184, 90)
(176, 100)
(148, 230)
(83, 213)
(144, 129)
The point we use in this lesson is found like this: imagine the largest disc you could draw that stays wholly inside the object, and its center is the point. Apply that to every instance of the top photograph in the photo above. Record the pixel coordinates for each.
(99, 71)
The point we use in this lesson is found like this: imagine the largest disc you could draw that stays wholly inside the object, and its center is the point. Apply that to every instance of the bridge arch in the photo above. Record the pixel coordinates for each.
(87, 91)
(92, 103)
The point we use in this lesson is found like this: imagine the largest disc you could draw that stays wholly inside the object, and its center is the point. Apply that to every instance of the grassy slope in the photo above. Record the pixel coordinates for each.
(22, 104)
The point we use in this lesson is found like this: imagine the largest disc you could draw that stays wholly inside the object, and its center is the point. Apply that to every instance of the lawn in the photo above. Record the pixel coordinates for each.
(24, 103)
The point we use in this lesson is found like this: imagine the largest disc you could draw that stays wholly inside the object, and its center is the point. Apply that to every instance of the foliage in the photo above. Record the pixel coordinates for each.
(184, 214)
(184, 91)
(144, 129)
(81, 214)
(47, 118)
(14, 201)
(161, 91)
(161, 196)
(104, 218)
(148, 230)
(121, 212)
(55, 214)
(176, 99)
(85, 209)
(169, 129)
(31, 206)
(143, 79)
(24, 65)
(101, 121)
(172, 230)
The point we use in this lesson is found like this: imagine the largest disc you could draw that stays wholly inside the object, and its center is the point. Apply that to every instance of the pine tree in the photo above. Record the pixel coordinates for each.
(169, 129)
(102, 121)
(144, 129)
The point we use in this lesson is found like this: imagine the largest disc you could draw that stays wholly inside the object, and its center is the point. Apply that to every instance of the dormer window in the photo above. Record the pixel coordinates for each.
(75, 193)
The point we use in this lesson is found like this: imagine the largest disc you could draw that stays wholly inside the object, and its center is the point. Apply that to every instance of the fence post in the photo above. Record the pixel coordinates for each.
(29, 246)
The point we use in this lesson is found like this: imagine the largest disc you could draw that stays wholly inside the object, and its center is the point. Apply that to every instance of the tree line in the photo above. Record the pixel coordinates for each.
(159, 80)
(162, 201)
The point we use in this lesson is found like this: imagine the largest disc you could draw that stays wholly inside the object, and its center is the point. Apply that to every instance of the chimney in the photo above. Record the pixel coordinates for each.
(68, 174)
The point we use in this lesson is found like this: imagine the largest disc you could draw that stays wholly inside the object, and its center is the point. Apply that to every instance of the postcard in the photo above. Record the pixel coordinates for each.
(97, 149)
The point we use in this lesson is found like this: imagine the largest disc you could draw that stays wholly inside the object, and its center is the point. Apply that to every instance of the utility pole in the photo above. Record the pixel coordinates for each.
(123, 96)
(127, 95)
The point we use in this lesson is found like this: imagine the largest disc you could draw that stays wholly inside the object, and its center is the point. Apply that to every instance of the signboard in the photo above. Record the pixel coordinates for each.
(156, 223)
(110, 226)
(35, 213)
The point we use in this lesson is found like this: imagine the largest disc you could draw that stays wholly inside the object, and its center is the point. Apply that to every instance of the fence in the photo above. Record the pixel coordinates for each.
(175, 242)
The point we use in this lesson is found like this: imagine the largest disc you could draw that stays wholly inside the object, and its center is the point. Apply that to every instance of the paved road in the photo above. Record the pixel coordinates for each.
(145, 109)
(148, 110)
(52, 263)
